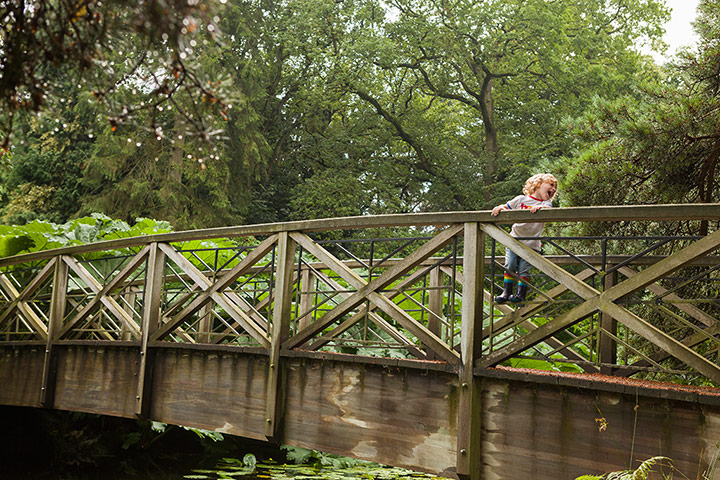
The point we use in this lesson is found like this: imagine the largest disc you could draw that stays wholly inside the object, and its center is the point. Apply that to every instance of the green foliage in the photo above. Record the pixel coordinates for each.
(40, 235)
(300, 455)
(657, 144)
(656, 464)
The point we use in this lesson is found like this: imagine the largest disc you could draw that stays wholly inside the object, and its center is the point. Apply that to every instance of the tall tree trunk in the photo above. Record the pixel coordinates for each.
(487, 108)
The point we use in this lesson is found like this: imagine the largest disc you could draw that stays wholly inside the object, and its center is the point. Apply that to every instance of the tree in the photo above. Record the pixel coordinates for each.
(662, 145)
(43, 43)
(520, 66)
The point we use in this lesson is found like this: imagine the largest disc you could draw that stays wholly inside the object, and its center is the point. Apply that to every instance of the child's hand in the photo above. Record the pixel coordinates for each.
(497, 210)
(535, 208)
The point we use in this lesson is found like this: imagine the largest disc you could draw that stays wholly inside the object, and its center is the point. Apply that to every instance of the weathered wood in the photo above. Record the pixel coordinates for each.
(103, 291)
(435, 301)
(26, 311)
(307, 296)
(150, 322)
(596, 300)
(29, 289)
(469, 442)
(212, 289)
(533, 426)
(363, 310)
(675, 212)
(692, 310)
(277, 370)
(57, 313)
(222, 299)
(367, 290)
(607, 347)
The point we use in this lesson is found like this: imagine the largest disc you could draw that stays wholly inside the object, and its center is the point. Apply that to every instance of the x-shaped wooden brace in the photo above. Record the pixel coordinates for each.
(521, 317)
(103, 293)
(604, 301)
(370, 291)
(228, 301)
(712, 324)
(20, 303)
(362, 311)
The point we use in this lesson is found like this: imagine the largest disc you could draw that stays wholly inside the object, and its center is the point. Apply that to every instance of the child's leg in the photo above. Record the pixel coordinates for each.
(523, 281)
(511, 265)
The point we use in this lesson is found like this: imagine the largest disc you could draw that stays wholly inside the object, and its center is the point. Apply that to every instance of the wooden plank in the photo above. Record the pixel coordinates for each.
(666, 266)
(469, 441)
(57, 313)
(664, 341)
(221, 299)
(687, 308)
(380, 282)
(435, 301)
(570, 281)
(102, 293)
(362, 311)
(642, 279)
(607, 347)
(515, 317)
(307, 296)
(616, 213)
(29, 289)
(277, 374)
(150, 322)
(26, 311)
(541, 333)
(210, 289)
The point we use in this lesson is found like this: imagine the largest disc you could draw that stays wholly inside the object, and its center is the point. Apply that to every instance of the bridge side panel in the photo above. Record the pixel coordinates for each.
(96, 379)
(401, 417)
(546, 432)
(218, 391)
(21, 375)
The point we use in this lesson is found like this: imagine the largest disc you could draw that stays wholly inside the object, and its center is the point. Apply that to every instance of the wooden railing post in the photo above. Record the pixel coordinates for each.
(150, 323)
(307, 297)
(57, 312)
(607, 348)
(435, 302)
(277, 374)
(470, 409)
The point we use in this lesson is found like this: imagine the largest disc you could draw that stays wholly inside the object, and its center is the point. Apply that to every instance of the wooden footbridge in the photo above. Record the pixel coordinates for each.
(378, 338)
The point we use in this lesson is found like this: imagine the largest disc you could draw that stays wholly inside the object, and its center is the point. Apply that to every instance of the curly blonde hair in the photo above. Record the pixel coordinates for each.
(534, 182)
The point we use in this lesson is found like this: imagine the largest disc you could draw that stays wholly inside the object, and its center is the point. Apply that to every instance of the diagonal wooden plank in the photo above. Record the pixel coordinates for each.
(204, 283)
(665, 266)
(102, 293)
(362, 311)
(26, 311)
(518, 316)
(662, 340)
(416, 328)
(383, 280)
(211, 288)
(231, 308)
(689, 309)
(29, 289)
(541, 333)
(570, 281)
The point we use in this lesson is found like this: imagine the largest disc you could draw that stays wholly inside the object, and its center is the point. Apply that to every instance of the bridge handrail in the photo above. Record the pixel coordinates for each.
(668, 212)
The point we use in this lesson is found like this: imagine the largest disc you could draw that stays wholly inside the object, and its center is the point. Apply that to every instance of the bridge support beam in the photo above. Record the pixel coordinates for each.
(469, 422)
(57, 312)
(150, 323)
(607, 346)
(277, 368)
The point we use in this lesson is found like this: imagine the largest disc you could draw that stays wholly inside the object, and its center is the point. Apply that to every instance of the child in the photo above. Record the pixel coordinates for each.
(539, 191)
